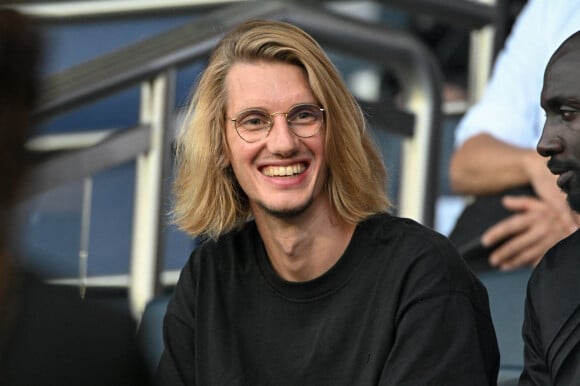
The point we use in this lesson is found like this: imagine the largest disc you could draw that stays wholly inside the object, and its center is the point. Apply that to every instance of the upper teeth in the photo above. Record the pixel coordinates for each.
(272, 171)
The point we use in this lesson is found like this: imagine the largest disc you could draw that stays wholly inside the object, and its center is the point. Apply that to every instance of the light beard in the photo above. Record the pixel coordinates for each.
(284, 214)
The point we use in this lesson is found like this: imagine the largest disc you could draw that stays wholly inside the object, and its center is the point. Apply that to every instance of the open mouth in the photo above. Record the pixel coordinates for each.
(283, 171)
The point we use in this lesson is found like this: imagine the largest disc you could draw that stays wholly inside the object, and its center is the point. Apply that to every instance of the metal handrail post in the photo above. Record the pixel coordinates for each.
(156, 102)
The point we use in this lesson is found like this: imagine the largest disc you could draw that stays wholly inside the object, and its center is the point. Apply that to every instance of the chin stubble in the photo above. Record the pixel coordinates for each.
(286, 213)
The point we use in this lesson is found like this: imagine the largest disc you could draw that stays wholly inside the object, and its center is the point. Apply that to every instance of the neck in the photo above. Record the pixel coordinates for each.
(304, 247)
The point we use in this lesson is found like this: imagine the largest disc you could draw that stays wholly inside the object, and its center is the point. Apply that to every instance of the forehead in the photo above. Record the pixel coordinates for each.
(273, 86)
(562, 77)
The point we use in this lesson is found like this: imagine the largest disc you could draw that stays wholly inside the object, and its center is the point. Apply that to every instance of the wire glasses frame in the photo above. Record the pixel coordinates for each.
(304, 120)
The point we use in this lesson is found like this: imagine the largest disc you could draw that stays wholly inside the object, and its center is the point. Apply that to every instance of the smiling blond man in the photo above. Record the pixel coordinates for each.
(305, 278)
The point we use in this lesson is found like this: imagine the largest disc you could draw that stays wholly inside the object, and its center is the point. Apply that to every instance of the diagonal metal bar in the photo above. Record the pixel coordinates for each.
(75, 165)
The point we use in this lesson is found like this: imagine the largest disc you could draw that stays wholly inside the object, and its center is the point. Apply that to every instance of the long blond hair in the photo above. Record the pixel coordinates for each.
(208, 199)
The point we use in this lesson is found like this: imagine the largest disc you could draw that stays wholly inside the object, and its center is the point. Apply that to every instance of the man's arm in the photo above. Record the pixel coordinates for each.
(440, 341)
(486, 165)
(535, 370)
(177, 363)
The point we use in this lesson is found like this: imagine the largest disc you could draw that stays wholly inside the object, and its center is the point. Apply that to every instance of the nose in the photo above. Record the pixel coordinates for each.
(281, 140)
(549, 143)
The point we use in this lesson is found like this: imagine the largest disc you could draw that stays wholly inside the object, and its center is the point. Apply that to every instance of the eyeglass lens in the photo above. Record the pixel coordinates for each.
(303, 120)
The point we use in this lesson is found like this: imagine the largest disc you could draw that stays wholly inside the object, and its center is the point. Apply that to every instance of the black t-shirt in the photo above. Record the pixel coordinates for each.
(400, 307)
(552, 318)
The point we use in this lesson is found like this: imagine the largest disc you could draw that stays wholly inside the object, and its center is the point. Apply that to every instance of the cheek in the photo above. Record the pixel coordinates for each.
(237, 152)
(573, 142)
(318, 149)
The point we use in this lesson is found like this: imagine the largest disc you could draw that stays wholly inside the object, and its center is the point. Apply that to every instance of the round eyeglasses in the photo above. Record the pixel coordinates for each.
(304, 120)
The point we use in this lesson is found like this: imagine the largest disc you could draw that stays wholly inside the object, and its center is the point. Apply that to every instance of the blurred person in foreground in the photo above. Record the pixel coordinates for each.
(518, 212)
(552, 313)
(305, 279)
(48, 335)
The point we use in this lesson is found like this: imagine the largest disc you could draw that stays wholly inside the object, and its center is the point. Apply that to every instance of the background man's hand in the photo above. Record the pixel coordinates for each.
(533, 229)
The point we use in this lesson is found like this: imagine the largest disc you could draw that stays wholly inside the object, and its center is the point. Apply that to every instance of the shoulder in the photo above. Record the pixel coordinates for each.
(419, 264)
(57, 303)
(73, 339)
(554, 285)
(552, 304)
(61, 310)
(230, 248)
(230, 255)
(418, 250)
(409, 236)
(558, 270)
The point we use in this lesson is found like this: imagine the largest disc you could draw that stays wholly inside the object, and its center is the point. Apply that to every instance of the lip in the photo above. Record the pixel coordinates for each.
(285, 163)
(557, 169)
(564, 179)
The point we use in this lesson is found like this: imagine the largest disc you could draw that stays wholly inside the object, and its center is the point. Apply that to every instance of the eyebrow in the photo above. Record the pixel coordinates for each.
(560, 100)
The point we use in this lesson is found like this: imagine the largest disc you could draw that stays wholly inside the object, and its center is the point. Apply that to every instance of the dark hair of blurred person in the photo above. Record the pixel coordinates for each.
(19, 60)
(48, 334)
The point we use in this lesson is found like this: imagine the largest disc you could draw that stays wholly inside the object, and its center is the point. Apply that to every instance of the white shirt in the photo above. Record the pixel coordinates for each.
(509, 108)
